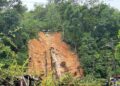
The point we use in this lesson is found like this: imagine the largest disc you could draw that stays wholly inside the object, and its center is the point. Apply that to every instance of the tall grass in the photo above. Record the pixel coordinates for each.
(68, 80)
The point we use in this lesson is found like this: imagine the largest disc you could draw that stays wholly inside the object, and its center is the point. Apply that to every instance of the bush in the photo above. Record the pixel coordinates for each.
(68, 80)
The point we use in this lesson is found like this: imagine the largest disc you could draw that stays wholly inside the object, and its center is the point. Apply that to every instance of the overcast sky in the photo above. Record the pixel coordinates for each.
(30, 3)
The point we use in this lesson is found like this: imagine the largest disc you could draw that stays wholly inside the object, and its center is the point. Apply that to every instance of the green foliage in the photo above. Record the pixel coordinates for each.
(9, 28)
(92, 30)
(48, 81)
(68, 80)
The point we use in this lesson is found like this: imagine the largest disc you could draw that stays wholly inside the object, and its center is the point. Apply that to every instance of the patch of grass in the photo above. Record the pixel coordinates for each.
(68, 80)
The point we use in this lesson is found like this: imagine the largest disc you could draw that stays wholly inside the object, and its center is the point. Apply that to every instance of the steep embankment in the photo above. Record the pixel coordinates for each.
(50, 53)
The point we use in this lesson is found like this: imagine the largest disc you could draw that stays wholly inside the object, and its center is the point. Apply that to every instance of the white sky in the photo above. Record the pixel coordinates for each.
(114, 3)
(30, 3)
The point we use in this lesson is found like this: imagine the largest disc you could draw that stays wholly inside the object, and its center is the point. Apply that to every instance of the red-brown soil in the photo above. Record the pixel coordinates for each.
(49, 53)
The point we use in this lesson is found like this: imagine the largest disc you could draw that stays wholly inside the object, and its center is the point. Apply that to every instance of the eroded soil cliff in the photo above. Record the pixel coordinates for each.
(50, 53)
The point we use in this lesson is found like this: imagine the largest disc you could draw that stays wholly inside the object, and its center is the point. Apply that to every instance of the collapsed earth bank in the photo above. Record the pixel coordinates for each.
(50, 53)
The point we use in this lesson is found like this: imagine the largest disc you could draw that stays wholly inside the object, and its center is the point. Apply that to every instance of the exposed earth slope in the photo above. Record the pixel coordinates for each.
(50, 53)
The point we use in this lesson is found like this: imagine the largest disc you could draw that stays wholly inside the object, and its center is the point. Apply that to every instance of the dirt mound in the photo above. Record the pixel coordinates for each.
(50, 53)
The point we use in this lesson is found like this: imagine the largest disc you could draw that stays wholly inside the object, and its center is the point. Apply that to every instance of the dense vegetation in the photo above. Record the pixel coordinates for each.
(92, 30)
